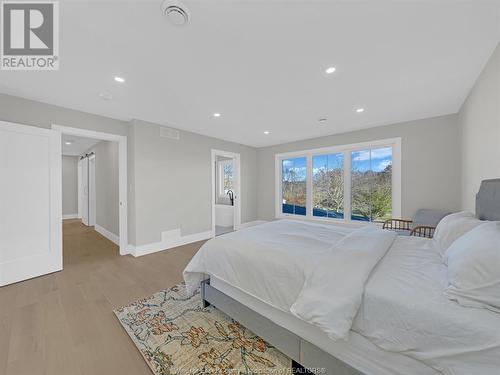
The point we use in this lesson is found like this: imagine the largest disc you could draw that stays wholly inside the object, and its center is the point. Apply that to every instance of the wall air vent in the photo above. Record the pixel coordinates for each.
(170, 133)
(176, 12)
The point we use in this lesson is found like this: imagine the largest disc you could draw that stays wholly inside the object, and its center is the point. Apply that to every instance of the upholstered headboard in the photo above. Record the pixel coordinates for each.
(488, 200)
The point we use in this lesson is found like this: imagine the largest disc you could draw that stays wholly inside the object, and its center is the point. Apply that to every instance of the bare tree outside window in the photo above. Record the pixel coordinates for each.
(328, 185)
(294, 186)
(371, 184)
(228, 177)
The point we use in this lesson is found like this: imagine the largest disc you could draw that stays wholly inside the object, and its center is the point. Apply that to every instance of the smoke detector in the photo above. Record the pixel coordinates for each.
(175, 11)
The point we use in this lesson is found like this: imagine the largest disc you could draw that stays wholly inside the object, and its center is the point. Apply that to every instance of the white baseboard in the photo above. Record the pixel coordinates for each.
(70, 216)
(169, 239)
(106, 233)
(251, 224)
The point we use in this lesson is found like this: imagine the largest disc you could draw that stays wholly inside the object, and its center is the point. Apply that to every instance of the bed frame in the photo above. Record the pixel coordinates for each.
(304, 354)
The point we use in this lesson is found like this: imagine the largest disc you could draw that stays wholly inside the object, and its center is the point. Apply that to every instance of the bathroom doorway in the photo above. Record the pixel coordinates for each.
(226, 197)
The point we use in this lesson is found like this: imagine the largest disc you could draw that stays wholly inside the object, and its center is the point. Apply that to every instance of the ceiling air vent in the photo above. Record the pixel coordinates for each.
(176, 12)
(170, 133)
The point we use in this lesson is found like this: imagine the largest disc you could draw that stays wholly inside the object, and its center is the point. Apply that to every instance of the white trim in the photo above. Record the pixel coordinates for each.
(252, 223)
(170, 239)
(122, 172)
(92, 190)
(69, 216)
(106, 233)
(79, 187)
(237, 185)
(395, 143)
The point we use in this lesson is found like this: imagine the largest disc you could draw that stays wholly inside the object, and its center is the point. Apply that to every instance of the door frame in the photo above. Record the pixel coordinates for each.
(92, 192)
(237, 194)
(79, 188)
(122, 174)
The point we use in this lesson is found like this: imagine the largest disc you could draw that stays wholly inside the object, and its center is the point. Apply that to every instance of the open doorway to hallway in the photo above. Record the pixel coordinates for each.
(90, 190)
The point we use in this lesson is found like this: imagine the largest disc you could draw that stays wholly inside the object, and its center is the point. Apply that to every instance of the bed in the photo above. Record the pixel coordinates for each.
(393, 319)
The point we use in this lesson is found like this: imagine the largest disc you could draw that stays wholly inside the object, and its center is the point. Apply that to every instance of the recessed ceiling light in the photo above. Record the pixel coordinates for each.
(359, 110)
(68, 143)
(266, 132)
(322, 120)
(119, 79)
(216, 114)
(330, 70)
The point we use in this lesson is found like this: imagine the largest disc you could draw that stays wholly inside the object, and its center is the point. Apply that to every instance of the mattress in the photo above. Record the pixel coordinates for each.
(358, 351)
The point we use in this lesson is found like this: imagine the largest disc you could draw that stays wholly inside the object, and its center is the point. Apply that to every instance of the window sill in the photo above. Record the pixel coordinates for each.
(332, 221)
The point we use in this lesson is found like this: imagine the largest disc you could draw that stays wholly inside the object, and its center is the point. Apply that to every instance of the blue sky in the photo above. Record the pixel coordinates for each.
(330, 162)
(299, 164)
(375, 159)
(364, 160)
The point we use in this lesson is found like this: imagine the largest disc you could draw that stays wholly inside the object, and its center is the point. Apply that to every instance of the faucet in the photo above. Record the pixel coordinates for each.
(231, 196)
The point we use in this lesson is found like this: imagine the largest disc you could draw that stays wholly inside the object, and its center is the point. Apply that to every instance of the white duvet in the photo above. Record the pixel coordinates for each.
(405, 310)
(317, 272)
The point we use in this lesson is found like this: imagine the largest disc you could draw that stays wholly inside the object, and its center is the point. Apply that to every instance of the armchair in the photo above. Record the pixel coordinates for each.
(423, 224)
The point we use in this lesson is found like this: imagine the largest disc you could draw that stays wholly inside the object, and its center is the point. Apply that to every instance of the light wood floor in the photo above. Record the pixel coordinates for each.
(63, 323)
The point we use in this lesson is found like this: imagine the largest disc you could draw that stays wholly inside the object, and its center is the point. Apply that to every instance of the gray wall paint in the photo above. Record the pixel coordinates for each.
(173, 181)
(107, 185)
(169, 181)
(164, 201)
(29, 112)
(479, 120)
(69, 185)
(131, 185)
(430, 163)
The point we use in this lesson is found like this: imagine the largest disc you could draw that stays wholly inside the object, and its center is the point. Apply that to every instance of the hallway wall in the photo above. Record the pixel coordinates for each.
(107, 186)
(69, 185)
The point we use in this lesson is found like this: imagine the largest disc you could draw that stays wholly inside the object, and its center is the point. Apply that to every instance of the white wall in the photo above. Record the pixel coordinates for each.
(479, 120)
(172, 180)
(430, 163)
(107, 186)
(69, 185)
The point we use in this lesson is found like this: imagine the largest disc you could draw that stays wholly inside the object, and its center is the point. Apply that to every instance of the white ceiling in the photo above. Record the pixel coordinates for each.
(261, 64)
(78, 144)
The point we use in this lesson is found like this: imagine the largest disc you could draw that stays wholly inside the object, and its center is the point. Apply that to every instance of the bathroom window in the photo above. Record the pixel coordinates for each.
(226, 177)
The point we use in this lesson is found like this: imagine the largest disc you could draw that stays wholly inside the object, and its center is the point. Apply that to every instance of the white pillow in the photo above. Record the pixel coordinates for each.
(454, 226)
(474, 268)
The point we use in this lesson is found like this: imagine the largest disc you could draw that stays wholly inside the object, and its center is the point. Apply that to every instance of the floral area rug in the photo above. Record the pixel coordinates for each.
(175, 335)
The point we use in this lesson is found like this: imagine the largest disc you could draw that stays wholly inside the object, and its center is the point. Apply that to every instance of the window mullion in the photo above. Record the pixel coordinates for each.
(347, 185)
(309, 187)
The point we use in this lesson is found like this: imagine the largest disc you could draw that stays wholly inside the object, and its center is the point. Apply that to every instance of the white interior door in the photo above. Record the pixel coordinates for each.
(80, 162)
(30, 202)
(85, 191)
(91, 189)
